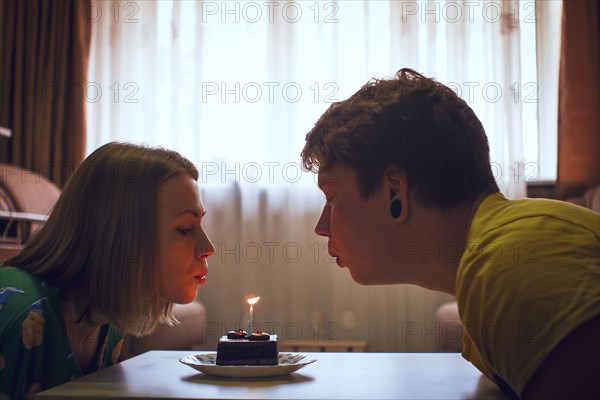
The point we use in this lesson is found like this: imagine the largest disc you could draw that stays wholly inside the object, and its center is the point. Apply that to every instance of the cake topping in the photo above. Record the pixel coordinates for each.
(237, 334)
(258, 335)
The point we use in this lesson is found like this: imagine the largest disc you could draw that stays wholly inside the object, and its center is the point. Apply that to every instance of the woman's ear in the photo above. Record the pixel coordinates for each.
(395, 180)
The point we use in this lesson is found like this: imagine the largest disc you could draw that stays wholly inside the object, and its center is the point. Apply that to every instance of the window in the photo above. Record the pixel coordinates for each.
(236, 85)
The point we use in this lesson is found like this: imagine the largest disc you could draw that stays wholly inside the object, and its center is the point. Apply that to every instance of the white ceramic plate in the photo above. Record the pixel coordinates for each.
(288, 363)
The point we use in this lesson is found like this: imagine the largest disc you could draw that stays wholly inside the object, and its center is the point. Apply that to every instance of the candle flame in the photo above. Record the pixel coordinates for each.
(253, 300)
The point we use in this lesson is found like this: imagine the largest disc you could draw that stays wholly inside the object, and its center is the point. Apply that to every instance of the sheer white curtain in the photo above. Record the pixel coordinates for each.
(236, 85)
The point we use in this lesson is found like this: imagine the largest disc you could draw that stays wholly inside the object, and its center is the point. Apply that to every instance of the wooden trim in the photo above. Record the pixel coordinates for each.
(23, 216)
(542, 189)
(325, 346)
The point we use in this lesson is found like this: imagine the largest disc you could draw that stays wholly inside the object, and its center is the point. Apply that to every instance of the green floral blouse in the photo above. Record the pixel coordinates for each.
(35, 353)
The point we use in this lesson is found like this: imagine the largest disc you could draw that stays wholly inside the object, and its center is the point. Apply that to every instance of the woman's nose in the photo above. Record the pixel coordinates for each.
(204, 247)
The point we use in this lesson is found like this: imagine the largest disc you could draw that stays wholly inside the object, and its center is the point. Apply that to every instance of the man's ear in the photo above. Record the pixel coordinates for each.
(395, 182)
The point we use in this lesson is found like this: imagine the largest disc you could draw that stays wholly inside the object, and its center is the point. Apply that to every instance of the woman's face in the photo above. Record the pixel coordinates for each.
(183, 244)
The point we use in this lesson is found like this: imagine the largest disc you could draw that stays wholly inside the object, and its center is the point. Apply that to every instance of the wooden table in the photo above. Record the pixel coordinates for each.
(160, 375)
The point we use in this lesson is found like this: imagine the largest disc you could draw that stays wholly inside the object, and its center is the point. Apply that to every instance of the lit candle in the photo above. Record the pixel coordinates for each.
(252, 302)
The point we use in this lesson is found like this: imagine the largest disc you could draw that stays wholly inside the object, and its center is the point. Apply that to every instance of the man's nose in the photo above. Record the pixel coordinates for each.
(322, 227)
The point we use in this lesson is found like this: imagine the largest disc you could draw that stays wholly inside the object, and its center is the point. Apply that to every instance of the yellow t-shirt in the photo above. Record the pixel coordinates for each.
(530, 275)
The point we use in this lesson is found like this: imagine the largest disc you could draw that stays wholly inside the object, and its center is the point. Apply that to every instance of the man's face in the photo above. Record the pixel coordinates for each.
(356, 227)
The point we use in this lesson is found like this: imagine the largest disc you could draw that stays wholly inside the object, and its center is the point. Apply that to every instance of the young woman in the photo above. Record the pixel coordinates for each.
(123, 243)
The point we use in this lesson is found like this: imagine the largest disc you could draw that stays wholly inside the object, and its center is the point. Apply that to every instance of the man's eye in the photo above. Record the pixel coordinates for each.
(328, 200)
(184, 231)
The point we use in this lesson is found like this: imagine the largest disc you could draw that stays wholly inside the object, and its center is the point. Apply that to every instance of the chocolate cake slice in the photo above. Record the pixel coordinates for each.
(239, 348)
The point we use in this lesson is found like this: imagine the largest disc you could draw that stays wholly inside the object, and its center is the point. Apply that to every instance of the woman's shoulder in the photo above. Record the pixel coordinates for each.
(19, 291)
(23, 280)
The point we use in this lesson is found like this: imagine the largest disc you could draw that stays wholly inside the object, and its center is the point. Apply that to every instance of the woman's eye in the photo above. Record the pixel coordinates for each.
(184, 231)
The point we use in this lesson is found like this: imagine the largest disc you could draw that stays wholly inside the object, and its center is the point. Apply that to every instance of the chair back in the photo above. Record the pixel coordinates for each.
(26, 198)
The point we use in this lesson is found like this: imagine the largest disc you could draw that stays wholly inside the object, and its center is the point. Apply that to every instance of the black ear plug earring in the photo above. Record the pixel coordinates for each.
(396, 208)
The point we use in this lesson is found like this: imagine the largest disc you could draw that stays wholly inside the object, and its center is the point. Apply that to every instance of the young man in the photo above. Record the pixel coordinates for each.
(411, 198)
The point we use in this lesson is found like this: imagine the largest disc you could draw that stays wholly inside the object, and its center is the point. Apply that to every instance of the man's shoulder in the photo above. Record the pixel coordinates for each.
(496, 210)
(517, 221)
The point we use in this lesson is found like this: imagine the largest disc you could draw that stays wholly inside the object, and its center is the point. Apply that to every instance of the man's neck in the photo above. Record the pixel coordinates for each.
(441, 236)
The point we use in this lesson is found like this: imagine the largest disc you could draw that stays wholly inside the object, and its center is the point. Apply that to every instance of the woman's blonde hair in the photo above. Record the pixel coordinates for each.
(100, 241)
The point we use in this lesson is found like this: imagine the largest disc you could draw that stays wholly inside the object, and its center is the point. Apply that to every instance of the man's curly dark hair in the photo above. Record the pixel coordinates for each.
(414, 123)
